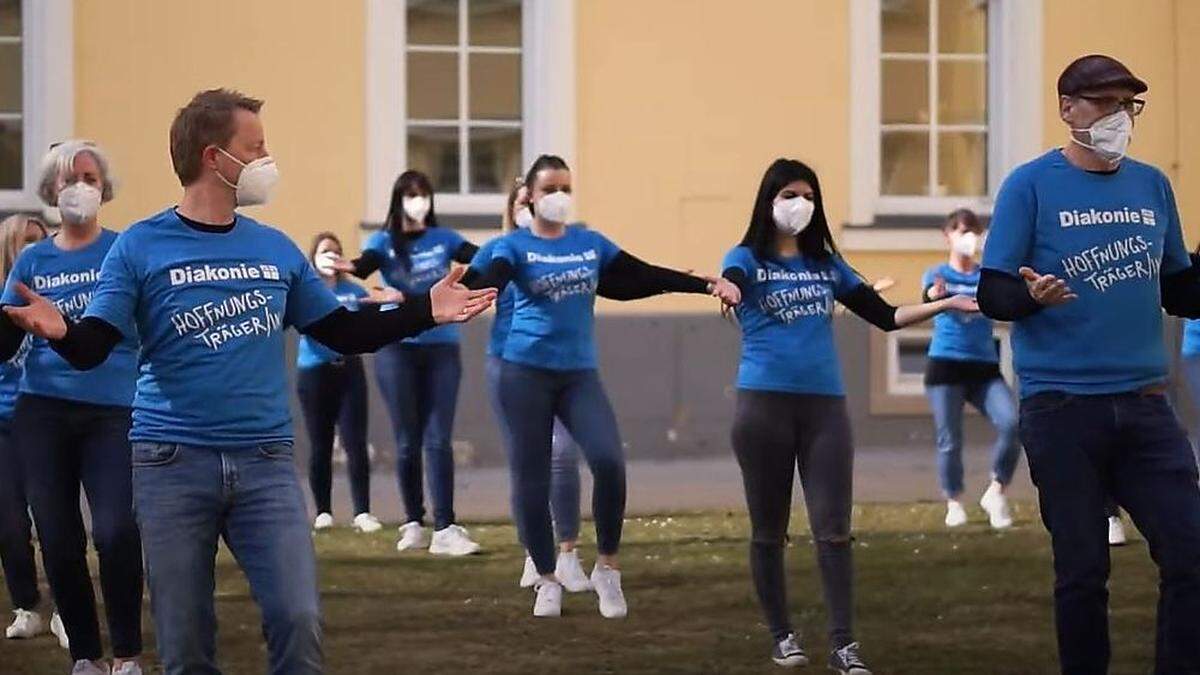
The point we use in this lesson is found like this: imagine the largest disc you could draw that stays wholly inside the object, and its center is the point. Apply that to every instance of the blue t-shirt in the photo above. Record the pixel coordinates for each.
(311, 353)
(786, 317)
(69, 279)
(210, 309)
(502, 319)
(430, 255)
(1191, 338)
(960, 336)
(1110, 237)
(554, 299)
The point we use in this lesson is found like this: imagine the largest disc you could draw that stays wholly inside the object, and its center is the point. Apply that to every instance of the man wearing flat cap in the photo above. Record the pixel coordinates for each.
(1084, 253)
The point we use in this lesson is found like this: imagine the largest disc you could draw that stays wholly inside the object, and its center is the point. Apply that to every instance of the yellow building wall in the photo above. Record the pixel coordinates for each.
(682, 105)
(137, 62)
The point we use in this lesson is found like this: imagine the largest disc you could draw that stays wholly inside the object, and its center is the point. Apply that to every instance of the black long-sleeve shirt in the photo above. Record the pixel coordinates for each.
(624, 278)
(372, 261)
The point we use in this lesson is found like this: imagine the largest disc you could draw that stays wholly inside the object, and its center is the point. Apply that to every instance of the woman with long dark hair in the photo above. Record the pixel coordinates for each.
(791, 405)
(419, 376)
(548, 370)
(564, 456)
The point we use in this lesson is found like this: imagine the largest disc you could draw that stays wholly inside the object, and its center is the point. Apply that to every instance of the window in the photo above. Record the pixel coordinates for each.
(933, 98)
(36, 93)
(464, 93)
(947, 99)
(446, 96)
(898, 373)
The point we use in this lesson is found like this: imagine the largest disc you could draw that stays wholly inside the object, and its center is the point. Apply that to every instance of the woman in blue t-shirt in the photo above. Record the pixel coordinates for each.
(17, 233)
(791, 405)
(548, 370)
(964, 367)
(72, 428)
(419, 377)
(564, 457)
(333, 395)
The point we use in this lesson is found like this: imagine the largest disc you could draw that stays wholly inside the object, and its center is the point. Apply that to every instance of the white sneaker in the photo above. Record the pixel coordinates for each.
(607, 582)
(956, 515)
(996, 504)
(85, 667)
(548, 602)
(1116, 531)
(452, 540)
(367, 523)
(128, 668)
(25, 625)
(529, 575)
(59, 631)
(412, 536)
(570, 572)
(324, 521)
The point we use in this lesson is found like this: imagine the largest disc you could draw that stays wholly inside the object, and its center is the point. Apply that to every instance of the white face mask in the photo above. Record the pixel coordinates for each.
(966, 244)
(555, 207)
(793, 215)
(324, 261)
(255, 182)
(78, 202)
(1109, 136)
(523, 217)
(417, 207)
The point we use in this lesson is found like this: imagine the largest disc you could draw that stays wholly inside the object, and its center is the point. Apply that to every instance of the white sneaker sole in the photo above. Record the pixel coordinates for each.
(451, 553)
(791, 661)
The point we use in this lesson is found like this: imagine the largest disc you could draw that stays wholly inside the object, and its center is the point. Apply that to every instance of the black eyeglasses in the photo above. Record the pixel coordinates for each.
(1133, 106)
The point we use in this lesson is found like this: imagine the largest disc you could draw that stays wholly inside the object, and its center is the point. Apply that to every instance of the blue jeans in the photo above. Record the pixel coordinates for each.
(533, 398)
(186, 497)
(419, 384)
(65, 445)
(1081, 450)
(992, 398)
(564, 463)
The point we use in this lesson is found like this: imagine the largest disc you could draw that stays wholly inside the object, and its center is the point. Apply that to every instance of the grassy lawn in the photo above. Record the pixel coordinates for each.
(928, 601)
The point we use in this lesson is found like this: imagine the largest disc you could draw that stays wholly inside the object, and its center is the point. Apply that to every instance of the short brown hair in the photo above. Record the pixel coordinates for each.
(206, 120)
(966, 217)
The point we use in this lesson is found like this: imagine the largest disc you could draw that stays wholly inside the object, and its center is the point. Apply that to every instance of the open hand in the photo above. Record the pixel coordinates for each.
(726, 290)
(384, 296)
(1046, 289)
(962, 303)
(938, 290)
(453, 302)
(40, 317)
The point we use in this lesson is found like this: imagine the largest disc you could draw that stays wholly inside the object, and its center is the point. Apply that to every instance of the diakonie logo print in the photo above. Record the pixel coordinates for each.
(199, 274)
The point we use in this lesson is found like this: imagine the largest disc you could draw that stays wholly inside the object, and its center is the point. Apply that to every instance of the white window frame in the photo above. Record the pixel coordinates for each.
(48, 91)
(548, 109)
(1014, 127)
(913, 384)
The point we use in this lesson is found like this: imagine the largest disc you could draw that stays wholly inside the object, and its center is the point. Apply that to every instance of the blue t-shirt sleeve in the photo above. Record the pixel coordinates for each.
(483, 256)
(605, 248)
(506, 250)
(929, 277)
(1175, 256)
(115, 299)
(1010, 234)
(738, 258)
(359, 291)
(20, 272)
(377, 242)
(308, 298)
(847, 278)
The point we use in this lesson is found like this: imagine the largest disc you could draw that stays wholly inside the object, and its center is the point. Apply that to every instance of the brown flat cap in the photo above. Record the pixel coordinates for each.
(1097, 71)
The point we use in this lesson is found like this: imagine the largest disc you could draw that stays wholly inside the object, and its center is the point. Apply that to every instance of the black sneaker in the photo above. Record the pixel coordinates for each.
(847, 661)
(787, 653)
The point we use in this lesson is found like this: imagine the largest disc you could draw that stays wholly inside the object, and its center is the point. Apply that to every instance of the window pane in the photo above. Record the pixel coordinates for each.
(433, 22)
(912, 352)
(495, 158)
(904, 163)
(434, 152)
(495, 23)
(10, 17)
(905, 94)
(432, 86)
(962, 92)
(962, 26)
(495, 86)
(11, 173)
(962, 164)
(905, 25)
